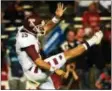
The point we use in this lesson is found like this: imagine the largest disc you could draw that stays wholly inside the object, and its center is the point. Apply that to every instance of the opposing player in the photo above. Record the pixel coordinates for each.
(28, 49)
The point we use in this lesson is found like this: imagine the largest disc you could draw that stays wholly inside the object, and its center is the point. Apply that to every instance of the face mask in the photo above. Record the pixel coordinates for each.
(38, 28)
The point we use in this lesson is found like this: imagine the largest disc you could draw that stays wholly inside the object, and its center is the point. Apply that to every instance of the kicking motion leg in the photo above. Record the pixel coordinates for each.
(60, 59)
(96, 39)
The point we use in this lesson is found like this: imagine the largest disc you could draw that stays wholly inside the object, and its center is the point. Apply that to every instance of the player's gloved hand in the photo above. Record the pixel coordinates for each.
(60, 10)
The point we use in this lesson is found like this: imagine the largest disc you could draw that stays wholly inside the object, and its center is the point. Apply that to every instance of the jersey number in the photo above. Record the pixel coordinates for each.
(24, 35)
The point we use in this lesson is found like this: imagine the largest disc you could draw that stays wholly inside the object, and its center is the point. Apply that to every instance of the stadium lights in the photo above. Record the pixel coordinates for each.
(78, 26)
(105, 18)
(4, 36)
(18, 21)
(27, 6)
(12, 28)
(101, 18)
(6, 21)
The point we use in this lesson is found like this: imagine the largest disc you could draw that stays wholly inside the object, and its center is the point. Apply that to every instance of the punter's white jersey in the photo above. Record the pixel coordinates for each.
(23, 40)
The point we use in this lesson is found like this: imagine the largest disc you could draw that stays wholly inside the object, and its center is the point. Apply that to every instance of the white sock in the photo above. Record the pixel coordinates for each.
(92, 41)
(85, 46)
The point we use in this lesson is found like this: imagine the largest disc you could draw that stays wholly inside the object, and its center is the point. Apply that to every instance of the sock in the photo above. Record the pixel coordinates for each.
(90, 42)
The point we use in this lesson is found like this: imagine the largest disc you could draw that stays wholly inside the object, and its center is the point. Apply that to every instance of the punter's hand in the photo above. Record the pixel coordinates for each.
(60, 72)
(60, 10)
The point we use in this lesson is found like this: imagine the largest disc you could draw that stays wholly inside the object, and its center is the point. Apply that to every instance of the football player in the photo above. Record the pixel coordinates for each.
(28, 49)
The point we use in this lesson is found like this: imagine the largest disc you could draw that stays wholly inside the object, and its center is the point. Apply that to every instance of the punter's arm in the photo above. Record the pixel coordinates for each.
(58, 14)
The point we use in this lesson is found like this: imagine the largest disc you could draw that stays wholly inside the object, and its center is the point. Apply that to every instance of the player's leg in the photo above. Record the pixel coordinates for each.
(96, 39)
(74, 52)
(60, 59)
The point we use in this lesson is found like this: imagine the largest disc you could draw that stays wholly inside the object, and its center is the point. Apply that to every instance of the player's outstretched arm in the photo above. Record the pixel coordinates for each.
(58, 14)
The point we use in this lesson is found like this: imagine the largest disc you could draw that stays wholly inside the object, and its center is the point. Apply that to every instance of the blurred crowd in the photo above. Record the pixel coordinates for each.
(91, 70)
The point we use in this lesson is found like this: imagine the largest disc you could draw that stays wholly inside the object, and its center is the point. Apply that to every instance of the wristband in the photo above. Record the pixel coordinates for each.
(55, 20)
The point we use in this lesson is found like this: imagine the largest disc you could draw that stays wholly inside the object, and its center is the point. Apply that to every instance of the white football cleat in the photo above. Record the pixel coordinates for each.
(96, 39)
(99, 36)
